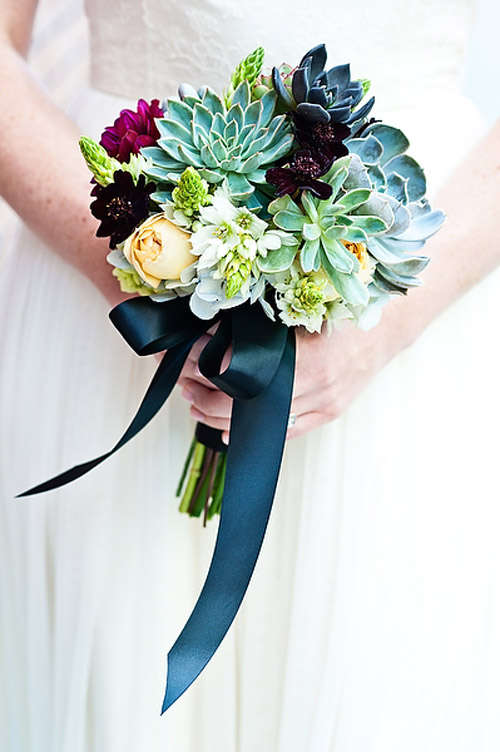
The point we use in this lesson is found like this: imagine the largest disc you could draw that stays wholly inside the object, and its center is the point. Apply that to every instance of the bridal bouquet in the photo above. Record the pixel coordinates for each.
(278, 193)
(278, 203)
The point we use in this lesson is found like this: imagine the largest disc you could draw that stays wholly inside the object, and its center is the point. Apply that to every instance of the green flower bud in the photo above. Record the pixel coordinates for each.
(366, 84)
(247, 70)
(100, 164)
(130, 282)
(236, 271)
(191, 192)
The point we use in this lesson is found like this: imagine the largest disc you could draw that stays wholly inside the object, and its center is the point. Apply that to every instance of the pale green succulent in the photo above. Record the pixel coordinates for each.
(322, 225)
(247, 70)
(236, 144)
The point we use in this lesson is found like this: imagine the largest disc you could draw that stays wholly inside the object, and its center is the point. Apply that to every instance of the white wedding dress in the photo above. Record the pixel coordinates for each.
(372, 620)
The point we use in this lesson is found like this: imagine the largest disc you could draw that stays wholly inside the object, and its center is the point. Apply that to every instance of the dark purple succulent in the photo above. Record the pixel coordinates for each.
(304, 169)
(132, 130)
(121, 206)
(322, 96)
(327, 138)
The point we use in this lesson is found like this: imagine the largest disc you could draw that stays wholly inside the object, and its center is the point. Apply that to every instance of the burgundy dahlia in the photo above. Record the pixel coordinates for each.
(132, 130)
(121, 206)
(305, 167)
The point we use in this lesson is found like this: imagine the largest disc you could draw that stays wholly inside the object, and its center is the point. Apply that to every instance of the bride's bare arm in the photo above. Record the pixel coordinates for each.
(331, 371)
(42, 175)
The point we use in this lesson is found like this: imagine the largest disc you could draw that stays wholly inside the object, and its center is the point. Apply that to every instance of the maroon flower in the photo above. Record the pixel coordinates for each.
(132, 130)
(327, 138)
(305, 168)
(121, 206)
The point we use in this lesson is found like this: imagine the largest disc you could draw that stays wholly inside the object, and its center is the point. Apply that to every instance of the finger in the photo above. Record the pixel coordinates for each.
(221, 424)
(305, 423)
(208, 401)
(330, 401)
(190, 371)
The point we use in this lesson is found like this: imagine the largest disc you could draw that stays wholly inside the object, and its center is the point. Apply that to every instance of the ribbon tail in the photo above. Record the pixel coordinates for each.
(258, 433)
(158, 391)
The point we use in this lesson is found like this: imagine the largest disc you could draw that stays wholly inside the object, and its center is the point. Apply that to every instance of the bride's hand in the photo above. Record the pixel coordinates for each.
(330, 373)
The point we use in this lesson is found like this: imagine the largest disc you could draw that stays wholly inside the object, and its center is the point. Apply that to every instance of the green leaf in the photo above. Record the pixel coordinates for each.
(253, 114)
(280, 204)
(347, 285)
(292, 221)
(188, 156)
(202, 119)
(236, 115)
(370, 224)
(242, 95)
(353, 199)
(311, 231)
(310, 255)
(213, 102)
(336, 181)
(339, 257)
(219, 150)
(180, 112)
(310, 205)
(277, 261)
(209, 157)
(334, 232)
(268, 106)
(239, 187)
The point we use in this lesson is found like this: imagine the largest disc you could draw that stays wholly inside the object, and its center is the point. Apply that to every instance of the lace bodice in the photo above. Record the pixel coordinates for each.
(408, 49)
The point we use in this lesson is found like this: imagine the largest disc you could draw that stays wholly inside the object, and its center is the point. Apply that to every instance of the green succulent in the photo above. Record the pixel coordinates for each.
(322, 225)
(248, 70)
(191, 192)
(235, 144)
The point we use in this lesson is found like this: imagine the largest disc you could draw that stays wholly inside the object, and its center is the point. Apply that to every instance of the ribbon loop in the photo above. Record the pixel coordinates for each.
(257, 348)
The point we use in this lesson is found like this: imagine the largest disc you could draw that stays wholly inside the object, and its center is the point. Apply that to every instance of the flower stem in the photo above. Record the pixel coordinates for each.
(194, 474)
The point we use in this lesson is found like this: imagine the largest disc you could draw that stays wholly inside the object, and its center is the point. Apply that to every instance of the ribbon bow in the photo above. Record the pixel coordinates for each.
(259, 378)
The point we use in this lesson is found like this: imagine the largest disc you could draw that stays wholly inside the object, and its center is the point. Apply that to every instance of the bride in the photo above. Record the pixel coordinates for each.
(372, 619)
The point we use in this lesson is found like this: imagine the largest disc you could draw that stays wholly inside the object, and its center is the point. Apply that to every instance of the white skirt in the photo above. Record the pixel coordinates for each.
(373, 616)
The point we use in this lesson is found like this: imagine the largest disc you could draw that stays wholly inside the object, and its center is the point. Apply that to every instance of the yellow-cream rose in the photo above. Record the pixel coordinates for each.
(365, 262)
(159, 250)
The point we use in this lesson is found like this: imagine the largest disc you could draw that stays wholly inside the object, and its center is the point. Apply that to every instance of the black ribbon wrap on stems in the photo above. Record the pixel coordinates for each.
(259, 378)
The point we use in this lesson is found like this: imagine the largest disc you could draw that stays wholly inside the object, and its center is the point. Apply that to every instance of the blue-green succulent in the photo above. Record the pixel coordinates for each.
(236, 144)
(399, 182)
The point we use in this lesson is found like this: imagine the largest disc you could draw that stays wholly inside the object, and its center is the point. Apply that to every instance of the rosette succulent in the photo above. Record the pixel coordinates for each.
(317, 95)
(399, 186)
(329, 230)
(236, 144)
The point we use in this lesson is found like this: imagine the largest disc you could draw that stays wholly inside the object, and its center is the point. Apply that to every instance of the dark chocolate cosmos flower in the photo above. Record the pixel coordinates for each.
(305, 167)
(327, 138)
(132, 130)
(121, 206)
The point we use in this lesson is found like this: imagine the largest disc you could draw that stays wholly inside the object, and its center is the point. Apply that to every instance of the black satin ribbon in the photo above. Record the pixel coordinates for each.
(260, 380)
